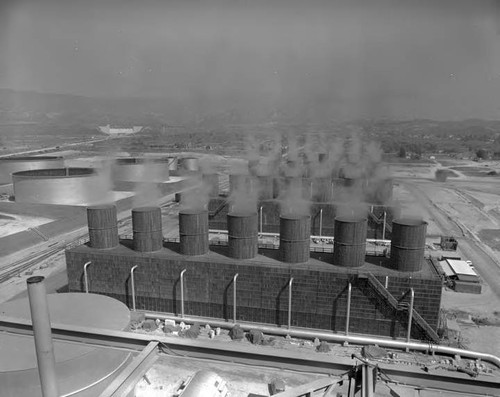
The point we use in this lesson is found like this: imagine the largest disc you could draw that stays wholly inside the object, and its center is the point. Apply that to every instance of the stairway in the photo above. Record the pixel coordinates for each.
(378, 288)
(378, 221)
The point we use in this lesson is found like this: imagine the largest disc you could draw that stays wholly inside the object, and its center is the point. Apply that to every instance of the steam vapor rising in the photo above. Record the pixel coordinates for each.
(350, 166)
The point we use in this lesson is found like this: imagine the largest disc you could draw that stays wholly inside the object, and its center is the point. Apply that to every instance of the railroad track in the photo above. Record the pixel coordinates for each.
(20, 266)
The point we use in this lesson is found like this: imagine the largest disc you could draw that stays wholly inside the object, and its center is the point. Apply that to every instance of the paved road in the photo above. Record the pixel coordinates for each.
(485, 264)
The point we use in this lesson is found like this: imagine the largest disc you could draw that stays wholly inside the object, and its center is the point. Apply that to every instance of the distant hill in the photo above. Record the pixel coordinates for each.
(64, 109)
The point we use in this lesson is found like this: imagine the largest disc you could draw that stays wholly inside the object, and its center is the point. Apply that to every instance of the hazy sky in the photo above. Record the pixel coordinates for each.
(399, 58)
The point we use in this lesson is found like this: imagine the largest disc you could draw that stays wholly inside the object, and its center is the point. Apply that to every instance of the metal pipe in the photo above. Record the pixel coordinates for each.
(339, 338)
(132, 284)
(261, 219)
(383, 225)
(321, 221)
(234, 297)
(410, 315)
(86, 278)
(182, 293)
(349, 290)
(290, 302)
(42, 331)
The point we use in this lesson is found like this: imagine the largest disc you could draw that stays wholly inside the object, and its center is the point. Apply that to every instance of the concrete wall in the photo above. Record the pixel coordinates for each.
(319, 293)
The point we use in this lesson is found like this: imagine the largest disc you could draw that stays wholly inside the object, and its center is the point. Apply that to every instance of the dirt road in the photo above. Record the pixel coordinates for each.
(486, 264)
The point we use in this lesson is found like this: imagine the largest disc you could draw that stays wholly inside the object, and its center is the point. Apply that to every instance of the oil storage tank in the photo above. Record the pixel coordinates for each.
(295, 238)
(147, 229)
(189, 164)
(242, 230)
(10, 165)
(103, 226)
(141, 169)
(349, 246)
(64, 186)
(408, 244)
(80, 369)
(193, 231)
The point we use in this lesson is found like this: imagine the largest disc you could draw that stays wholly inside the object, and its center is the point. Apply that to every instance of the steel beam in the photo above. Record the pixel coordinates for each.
(126, 380)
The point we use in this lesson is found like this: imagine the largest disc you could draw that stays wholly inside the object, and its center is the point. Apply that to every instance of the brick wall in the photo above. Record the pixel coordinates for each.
(319, 295)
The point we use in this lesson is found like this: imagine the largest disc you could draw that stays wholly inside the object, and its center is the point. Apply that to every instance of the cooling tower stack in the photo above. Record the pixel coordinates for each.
(147, 229)
(193, 232)
(293, 184)
(349, 247)
(322, 189)
(242, 234)
(242, 183)
(266, 187)
(211, 181)
(408, 244)
(295, 235)
(103, 226)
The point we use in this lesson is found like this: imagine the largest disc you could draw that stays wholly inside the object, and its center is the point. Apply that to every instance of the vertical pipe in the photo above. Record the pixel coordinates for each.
(260, 219)
(386, 282)
(86, 278)
(410, 315)
(367, 381)
(182, 293)
(320, 222)
(383, 226)
(132, 283)
(40, 319)
(349, 290)
(234, 297)
(290, 302)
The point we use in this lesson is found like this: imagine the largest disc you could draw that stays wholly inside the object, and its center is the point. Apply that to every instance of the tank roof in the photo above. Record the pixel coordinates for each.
(55, 173)
(410, 221)
(31, 158)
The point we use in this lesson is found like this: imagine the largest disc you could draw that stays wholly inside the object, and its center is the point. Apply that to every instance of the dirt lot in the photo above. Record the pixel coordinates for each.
(467, 207)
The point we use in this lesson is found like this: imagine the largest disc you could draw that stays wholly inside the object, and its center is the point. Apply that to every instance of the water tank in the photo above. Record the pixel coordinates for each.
(193, 232)
(242, 230)
(147, 229)
(349, 247)
(172, 163)
(189, 164)
(140, 169)
(295, 236)
(408, 244)
(211, 183)
(266, 187)
(103, 226)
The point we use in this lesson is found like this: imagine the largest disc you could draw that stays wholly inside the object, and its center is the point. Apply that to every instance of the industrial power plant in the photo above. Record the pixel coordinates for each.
(340, 289)
(287, 245)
